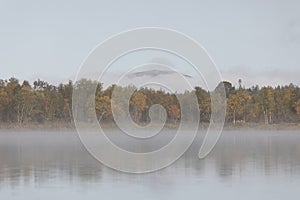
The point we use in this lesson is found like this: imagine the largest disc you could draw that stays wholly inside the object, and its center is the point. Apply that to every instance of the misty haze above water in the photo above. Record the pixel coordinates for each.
(244, 165)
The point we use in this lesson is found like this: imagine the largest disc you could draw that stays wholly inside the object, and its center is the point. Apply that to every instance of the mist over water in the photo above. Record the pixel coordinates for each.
(243, 165)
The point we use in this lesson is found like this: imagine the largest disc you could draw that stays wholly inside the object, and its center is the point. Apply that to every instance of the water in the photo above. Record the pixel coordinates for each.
(244, 165)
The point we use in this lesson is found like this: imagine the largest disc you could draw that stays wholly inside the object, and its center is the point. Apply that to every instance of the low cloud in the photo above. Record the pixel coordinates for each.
(154, 73)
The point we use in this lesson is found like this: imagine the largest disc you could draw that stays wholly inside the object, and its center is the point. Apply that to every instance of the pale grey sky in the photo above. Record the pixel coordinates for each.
(258, 41)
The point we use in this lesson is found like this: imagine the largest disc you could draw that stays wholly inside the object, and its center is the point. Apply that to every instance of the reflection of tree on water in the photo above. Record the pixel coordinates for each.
(246, 154)
(256, 153)
(39, 157)
(36, 158)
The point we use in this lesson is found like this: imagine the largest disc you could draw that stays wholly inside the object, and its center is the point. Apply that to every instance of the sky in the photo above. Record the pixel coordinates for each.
(256, 41)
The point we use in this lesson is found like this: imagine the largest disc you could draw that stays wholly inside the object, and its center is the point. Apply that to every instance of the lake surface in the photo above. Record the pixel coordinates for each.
(244, 165)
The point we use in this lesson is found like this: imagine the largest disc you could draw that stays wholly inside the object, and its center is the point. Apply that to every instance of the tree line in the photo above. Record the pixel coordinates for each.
(43, 102)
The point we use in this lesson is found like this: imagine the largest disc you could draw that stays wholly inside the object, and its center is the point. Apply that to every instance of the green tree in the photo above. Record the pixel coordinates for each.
(204, 104)
(4, 101)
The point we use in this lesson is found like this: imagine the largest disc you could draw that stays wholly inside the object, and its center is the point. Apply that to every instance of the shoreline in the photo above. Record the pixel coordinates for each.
(61, 126)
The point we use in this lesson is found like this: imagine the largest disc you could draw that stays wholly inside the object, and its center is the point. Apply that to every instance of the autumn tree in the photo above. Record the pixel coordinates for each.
(66, 91)
(103, 108)
(174, 113)
(25, 102)
(237, 104)
(296, 106)
(284, 100)
(267, 102)
(12, 88)
(43, 102)
(138, 105)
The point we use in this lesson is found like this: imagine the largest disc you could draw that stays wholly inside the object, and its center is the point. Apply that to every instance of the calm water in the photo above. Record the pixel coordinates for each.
(244, 165)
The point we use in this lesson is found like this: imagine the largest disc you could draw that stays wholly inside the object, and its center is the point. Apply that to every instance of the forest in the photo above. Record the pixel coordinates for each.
(42, 102)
